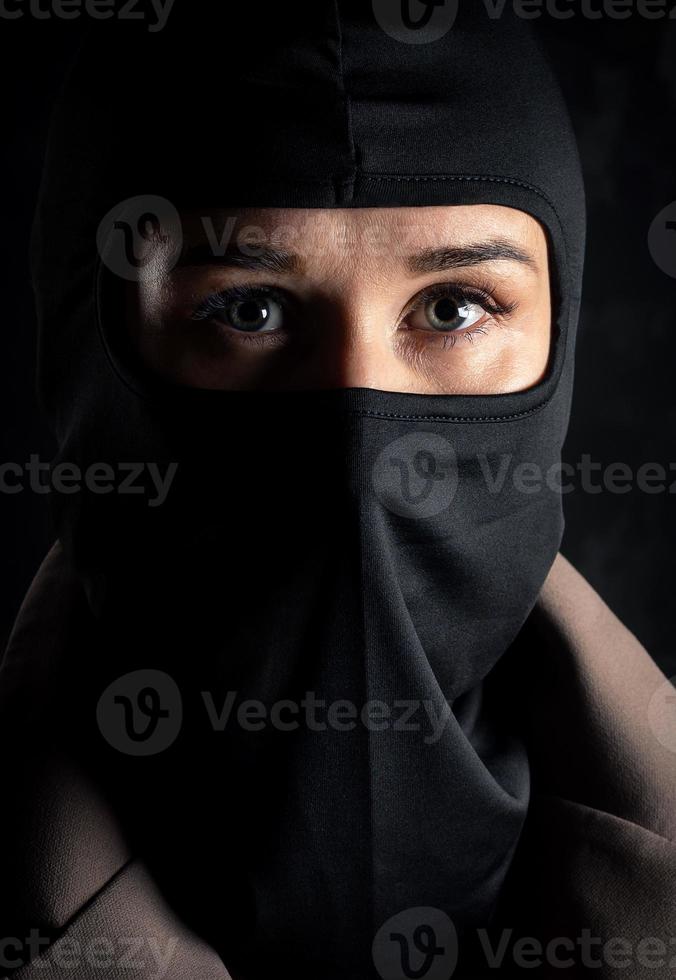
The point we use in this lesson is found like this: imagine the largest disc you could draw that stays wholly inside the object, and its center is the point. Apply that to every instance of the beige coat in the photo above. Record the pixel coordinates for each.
(598, 852)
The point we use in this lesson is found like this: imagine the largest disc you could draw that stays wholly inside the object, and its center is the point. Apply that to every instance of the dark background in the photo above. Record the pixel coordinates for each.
(620, 80)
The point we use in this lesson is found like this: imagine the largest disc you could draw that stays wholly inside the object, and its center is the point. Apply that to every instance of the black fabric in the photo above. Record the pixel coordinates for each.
(284, 561)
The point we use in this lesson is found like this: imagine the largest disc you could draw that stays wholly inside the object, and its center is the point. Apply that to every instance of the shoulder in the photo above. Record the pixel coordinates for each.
(70, 878)
(601, 705)
(58, 841)
(598, 853)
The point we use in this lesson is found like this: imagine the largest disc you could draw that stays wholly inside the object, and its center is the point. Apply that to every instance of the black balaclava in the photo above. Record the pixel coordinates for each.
(345, 543)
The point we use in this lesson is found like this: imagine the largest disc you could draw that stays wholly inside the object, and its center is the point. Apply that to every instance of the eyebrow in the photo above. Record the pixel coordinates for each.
(263, 259)
(457, 257)
(279, 260)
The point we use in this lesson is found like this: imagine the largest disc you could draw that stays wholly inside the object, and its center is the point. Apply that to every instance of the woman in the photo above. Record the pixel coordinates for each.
(331, 705)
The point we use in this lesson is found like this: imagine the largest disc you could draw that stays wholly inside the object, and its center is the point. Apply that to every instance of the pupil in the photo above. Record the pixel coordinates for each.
(446, 310)
(249, 314)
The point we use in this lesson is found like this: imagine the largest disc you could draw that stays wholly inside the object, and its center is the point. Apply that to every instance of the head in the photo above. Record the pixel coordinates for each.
(357, 228)
(412, 212)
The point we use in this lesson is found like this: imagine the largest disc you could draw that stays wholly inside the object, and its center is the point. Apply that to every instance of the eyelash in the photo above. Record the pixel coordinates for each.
(478, 293)
(218, 302)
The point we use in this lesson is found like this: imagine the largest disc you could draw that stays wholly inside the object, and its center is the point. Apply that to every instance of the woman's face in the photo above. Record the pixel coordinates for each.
(434, 300)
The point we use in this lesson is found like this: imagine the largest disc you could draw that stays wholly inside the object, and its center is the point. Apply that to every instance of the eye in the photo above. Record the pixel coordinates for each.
(247, 310)
(446, 313)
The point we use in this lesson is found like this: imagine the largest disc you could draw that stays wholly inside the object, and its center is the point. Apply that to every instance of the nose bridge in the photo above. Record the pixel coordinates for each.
(355, 347)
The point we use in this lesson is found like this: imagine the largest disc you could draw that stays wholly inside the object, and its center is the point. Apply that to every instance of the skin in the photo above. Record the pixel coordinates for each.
(343, 312)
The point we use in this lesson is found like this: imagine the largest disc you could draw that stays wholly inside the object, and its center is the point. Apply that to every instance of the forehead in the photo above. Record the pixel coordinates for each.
(366, 228)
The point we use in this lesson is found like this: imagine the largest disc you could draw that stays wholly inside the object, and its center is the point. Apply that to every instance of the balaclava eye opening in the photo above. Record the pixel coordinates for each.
(344, 546)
